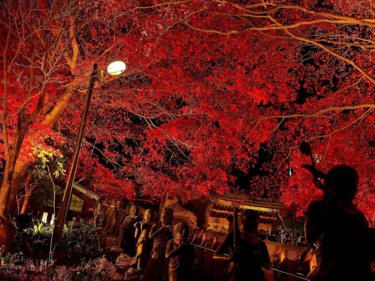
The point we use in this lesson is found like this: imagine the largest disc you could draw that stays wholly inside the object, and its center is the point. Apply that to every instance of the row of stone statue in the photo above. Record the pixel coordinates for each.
(159, 249)
(162, 251)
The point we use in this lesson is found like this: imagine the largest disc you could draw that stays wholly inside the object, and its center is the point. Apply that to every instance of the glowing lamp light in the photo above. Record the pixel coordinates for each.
(45, 217)
(116, 67)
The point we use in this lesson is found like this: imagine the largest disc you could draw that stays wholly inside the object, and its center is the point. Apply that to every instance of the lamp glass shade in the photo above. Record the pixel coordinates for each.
(116, 67)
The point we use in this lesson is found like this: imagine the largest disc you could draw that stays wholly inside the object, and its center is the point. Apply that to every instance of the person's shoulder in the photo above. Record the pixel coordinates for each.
(360, 217)
(315, 206)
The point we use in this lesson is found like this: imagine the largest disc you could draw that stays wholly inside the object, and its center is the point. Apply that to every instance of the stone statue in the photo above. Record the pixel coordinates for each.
(155, 269)
(180, 254)
(127, 230)
(143, 246)
(111, 218)
(99, 215)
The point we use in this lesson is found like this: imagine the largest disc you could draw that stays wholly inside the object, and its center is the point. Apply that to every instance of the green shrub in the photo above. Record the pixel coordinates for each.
(78, 240)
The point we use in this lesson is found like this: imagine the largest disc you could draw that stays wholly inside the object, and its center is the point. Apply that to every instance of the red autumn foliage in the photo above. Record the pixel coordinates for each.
(207, 84)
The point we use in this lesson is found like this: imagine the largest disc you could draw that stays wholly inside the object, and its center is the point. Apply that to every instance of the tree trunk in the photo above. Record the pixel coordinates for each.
(6, 185)
(25, 204)
(7, 230)
(18, 176)
(11, 172)
(17, 179)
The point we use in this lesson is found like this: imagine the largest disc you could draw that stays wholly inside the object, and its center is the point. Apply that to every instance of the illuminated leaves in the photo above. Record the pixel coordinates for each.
(207, 85)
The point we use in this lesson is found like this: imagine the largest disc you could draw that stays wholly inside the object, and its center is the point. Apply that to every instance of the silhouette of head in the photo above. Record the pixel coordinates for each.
(343, 181)
(248, 221)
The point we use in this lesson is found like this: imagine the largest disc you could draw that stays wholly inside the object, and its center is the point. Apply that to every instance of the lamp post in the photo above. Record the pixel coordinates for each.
(114, 68)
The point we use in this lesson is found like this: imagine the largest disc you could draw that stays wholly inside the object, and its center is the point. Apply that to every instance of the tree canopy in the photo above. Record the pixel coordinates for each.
(213, 89)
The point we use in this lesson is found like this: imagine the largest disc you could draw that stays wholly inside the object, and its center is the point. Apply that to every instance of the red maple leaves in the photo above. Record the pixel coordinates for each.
(206, 85)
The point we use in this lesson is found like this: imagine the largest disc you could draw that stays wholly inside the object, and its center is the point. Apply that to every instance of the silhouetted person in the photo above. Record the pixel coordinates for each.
(180, 254)
(338, 230)
(250, 258)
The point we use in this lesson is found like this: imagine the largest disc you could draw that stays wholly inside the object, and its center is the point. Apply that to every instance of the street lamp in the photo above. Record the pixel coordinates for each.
(114, 68)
